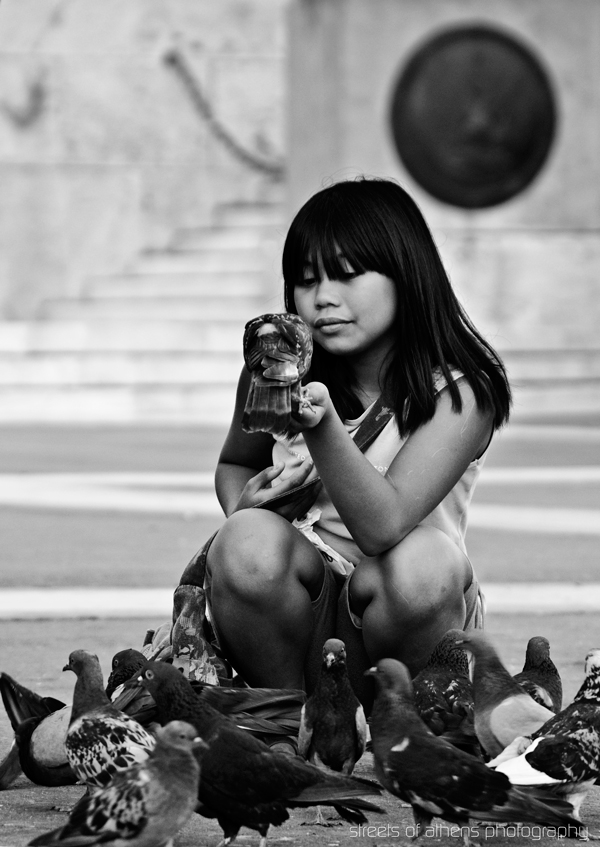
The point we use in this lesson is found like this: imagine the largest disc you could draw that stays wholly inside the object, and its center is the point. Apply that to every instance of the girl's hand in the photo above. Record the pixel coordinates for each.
(316, 403)
(258, 490)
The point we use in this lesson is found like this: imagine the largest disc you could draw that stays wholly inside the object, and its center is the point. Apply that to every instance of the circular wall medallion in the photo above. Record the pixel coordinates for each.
(473, 116)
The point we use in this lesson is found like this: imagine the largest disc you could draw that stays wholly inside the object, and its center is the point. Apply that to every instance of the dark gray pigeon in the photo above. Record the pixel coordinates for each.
(435, 777)
(540, 677)
(333, 726)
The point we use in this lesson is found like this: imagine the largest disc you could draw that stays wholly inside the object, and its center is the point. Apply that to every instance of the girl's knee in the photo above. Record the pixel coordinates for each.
(425, 571)
(247, 553)
(256, 552)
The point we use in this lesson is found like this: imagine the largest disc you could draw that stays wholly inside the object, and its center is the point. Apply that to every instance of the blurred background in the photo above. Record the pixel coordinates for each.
(153, 152)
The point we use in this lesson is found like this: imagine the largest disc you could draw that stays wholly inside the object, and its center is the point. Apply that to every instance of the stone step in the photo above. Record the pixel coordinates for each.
(224, 238)
(121, 335)
(206, 259)
(225, 284)
(213, 403)
(553, 364)
(120, 368)
(200, 404)
(156, 308)
(261, 215)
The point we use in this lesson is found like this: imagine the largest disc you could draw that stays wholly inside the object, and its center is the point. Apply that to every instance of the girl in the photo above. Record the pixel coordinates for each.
(379, 558)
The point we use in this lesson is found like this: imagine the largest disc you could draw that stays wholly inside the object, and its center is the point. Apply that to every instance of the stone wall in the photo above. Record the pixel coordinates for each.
(528, 270)
(103, 149)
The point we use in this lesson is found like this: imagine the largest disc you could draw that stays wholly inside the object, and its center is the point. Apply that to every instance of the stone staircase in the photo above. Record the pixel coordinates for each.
(161, 341)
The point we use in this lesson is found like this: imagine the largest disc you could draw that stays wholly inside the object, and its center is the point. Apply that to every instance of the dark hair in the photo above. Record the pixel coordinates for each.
(378, 227)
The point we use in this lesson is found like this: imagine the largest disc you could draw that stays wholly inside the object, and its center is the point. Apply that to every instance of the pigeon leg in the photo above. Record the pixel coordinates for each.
(10, 767)
(321, 821)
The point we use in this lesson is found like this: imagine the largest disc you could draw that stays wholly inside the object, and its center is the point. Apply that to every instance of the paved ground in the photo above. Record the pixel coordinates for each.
(95, 530)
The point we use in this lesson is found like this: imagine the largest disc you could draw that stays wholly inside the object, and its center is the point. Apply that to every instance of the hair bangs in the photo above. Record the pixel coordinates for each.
(329, 233)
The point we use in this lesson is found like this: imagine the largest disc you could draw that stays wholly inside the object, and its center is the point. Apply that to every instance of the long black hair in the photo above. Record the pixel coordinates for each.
(377, 226)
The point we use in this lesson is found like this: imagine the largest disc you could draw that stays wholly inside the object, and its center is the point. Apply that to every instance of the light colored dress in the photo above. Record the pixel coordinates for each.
(450, 516)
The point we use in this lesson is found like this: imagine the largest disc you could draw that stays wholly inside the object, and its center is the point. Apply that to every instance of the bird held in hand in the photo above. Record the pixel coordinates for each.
(435, 777)
(244, 782)
(503, 709)
(277, 352)
(101, 739)
(333, 727)
(564, 754)
(443, 695)
(146, 804)
(540, 677)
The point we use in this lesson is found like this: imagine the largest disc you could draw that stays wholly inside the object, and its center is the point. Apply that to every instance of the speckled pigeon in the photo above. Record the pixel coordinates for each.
(564, 754)
(443, 695)
(144, 805)
(101, 740)
(277, 352)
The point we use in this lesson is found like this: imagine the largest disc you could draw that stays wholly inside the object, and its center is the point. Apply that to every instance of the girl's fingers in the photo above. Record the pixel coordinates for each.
(265, 476)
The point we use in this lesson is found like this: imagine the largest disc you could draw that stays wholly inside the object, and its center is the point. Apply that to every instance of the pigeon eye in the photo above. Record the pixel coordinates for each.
(149, 674)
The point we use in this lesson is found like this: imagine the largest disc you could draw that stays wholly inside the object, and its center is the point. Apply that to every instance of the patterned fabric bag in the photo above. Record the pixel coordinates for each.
(193, 644)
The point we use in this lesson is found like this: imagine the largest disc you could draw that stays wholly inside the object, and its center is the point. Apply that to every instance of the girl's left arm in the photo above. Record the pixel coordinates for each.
(379, 511)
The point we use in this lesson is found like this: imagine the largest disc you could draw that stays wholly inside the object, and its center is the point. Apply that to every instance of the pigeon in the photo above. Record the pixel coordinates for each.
(564, 754)
(443, 695)
(101, 739)
(277, 352)
(540, 677)
(333, 726)
(40, 725)
(146, 804)
(503, 709)
(244, 782)
(265, 712)
(434, 776)
(125, 664)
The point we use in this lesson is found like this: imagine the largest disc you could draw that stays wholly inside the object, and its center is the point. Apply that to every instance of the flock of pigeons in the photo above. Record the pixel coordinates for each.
(154, 748)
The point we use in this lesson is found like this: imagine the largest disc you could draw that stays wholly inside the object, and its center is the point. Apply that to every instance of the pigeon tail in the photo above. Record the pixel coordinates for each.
(10, 767)
(21, 703)
(531, 805)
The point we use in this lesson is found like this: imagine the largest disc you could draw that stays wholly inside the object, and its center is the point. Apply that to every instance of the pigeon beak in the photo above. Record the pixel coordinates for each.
(199, 744)
(371, 672)
(67, 668)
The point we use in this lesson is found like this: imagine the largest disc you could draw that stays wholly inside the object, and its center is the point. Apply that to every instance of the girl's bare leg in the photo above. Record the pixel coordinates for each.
(264, 576)
(410, 596)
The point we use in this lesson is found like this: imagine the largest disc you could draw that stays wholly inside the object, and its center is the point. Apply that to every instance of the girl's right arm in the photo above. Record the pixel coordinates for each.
(244, 470)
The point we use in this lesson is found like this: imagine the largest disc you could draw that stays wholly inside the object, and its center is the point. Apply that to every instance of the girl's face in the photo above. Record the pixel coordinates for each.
(351, 315)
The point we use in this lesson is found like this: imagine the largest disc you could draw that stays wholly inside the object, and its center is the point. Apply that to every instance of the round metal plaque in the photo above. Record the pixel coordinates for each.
(473, 117)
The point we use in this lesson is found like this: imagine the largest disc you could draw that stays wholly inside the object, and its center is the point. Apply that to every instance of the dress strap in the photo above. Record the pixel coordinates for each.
(378, 417)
